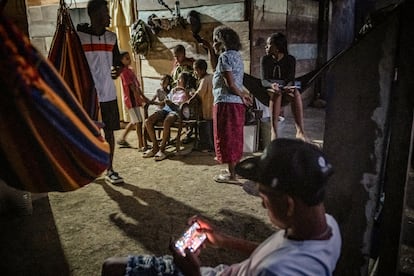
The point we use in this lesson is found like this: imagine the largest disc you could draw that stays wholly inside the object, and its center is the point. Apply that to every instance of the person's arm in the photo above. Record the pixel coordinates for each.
(244, 95)
(116, 55)
(156, 99)
(190, 264)
(265, 73)
(178, 97)
(218, 239)
(211, 54)
(135, 90)
(138, 92)
(116, 62)
(238, 244)
(201, 89)
(290, 71)
(141, 93)
(152, 101)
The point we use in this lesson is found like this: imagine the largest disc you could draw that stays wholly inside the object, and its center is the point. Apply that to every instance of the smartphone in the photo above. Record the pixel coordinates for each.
(190, 239)
(290, 87)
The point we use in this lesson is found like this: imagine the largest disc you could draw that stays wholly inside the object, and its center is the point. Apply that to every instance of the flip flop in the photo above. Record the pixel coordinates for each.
(225, 178)
(123, 144)
(225, 171)
(160, 156)
(148, 154)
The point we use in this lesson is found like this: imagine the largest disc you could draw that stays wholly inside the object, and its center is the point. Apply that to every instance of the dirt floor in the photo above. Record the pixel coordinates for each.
(72, 233)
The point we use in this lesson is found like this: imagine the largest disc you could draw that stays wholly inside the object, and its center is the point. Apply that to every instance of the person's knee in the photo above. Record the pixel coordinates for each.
(169, 120)
(107, 267)
(150, 121)
(277, 98)
(114, 266)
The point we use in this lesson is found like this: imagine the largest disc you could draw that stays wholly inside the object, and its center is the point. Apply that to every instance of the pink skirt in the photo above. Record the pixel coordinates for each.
(228, 123)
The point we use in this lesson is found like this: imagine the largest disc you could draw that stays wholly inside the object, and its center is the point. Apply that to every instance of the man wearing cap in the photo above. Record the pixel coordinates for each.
(291, 176)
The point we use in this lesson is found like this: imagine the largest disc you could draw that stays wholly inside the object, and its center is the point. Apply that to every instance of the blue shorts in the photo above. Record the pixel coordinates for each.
(148, 265)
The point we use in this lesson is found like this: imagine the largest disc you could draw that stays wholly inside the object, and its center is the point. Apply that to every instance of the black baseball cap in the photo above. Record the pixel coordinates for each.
(291, 166)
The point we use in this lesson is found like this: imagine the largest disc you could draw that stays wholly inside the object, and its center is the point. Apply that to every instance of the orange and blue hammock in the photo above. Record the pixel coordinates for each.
(48, 142)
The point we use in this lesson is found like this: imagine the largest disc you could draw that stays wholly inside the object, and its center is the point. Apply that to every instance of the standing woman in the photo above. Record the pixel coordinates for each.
(277, 68)
(229, 101)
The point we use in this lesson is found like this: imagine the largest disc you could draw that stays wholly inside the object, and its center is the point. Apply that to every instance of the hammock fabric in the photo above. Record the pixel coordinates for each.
(67, 55)
(254, 85)
(47, 140)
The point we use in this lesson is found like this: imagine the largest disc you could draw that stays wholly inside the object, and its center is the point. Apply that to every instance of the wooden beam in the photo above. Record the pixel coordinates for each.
(208, 14)
(145, 5)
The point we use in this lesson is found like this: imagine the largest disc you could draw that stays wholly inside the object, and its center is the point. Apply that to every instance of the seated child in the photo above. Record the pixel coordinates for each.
(168, 115)
(162, 92)
(205, 92)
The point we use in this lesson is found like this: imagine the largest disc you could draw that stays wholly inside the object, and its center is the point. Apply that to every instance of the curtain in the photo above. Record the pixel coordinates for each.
(123, 16)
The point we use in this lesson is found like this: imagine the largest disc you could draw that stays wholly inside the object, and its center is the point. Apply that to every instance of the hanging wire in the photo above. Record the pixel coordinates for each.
(262, 18)
(161, 2)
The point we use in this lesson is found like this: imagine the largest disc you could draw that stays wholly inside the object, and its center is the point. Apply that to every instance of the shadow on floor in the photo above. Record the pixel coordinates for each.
(155, 216)
(30, 244)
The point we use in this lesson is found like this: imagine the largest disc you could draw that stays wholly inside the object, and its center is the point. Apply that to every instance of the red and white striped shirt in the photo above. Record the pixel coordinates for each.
(98, 52)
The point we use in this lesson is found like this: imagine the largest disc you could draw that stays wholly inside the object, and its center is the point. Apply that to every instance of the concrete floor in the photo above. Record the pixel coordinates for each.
(314, 123)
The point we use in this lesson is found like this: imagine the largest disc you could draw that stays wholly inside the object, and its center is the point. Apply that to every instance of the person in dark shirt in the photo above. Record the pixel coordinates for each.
(277, 72)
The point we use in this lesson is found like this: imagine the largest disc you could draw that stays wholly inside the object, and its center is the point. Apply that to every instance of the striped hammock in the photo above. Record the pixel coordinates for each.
(47, 140)
(67, 55)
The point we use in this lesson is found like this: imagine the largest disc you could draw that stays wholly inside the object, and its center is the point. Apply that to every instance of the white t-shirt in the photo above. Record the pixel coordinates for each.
(281, 256)
(98, 52)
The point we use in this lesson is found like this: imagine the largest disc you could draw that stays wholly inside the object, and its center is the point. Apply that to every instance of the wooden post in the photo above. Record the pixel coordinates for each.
(401, 119)
(356, 140)
(323, 30)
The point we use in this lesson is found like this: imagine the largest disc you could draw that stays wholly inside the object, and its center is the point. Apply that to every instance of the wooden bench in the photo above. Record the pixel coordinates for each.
(189, 116)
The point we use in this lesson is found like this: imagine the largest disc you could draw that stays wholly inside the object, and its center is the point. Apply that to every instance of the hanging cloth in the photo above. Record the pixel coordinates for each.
(122, 12)
(47, 140)
(67, 55)
(254, 85)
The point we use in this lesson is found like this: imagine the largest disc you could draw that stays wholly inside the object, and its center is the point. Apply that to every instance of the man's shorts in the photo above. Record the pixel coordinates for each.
(151, 266)
(110, 115)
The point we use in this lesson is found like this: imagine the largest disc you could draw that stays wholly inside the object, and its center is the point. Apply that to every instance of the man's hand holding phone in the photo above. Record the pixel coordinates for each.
(184, 248)
(191, 239)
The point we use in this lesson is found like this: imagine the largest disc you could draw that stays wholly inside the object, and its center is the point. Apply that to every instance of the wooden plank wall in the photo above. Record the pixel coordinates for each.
(253, 20)
(213, 13)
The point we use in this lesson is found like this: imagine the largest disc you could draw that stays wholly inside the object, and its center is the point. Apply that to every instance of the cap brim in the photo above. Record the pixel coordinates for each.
(249, 168)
